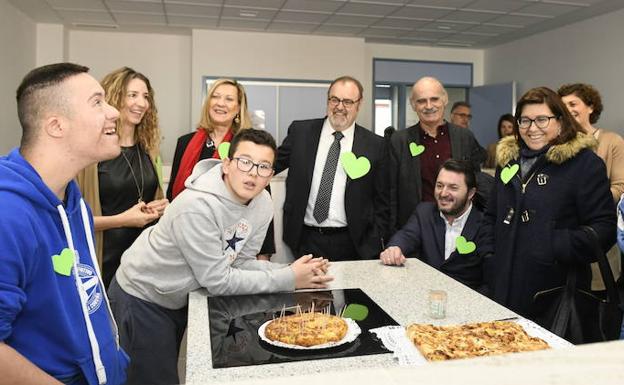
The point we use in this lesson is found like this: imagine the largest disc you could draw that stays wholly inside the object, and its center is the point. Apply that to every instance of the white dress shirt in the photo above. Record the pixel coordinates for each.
(454, 230)
(337, 214)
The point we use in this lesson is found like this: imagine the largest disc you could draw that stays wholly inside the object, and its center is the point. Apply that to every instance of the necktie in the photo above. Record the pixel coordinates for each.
(321, 206)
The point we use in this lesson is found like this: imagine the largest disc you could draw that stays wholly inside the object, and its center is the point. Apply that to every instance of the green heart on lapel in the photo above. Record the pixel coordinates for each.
(464, 246)
(416, 149)
(63, 263)
(355, 167)
(224, 150)
(508, 172)
(356, 312)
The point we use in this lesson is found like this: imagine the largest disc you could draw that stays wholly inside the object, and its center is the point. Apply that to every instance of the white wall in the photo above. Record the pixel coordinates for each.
(272, 55)
(18, 42)
(163, 58)
(50, 44)
(590, 51)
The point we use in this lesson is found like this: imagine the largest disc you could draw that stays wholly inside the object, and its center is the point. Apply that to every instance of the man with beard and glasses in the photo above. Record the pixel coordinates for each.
(433, 231)
(336, 203)
(417, 152)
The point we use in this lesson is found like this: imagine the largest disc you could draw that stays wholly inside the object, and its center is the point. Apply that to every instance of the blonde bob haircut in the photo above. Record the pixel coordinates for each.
(244, 120)
(147, 132)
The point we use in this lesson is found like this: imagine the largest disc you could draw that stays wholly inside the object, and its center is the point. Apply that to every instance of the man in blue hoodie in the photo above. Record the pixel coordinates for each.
(56, 325)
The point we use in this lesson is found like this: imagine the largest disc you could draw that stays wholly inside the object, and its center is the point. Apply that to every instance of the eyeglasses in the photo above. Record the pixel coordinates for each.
(265, 169)
(462, 115)
(348, 103)
(541, 121)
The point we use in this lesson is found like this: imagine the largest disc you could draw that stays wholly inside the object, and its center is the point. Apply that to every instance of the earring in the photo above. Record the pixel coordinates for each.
(237, 119)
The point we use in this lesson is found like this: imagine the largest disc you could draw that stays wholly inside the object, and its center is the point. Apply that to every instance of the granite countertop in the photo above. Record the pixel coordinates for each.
(581, 365)
(401, 291)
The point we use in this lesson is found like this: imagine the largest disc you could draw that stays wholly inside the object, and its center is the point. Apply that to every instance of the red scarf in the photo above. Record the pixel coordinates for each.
(191, 157)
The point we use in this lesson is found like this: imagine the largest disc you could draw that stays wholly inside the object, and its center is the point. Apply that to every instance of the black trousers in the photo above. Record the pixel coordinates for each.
(150, 334)
(333, 244)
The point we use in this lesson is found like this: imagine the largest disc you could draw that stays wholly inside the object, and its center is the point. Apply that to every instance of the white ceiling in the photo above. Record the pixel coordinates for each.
(453, 23)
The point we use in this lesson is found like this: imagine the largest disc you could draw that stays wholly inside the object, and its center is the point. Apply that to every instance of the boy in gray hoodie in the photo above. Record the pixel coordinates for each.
(208, 237)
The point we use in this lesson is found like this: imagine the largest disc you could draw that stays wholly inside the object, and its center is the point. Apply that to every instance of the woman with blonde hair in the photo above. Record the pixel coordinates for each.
(125, 193)
(224, 113)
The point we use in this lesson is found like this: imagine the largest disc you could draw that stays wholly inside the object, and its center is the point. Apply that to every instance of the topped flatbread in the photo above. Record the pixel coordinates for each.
(307, 329)
(439, 343)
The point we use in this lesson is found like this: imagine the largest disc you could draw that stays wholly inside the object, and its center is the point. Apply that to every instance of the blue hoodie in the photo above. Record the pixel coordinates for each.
(41, 312)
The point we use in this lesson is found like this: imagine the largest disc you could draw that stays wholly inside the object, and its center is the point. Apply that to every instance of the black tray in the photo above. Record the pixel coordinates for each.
(234, 323)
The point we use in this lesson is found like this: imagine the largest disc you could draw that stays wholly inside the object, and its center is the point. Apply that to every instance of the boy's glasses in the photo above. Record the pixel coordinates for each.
(265, 169)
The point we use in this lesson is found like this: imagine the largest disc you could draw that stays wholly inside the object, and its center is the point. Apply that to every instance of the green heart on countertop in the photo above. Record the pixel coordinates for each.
(355, 167)
(464, 246)
(224, 150)
(356, 312)
(508, 172)
(63, 263)
(416, 149)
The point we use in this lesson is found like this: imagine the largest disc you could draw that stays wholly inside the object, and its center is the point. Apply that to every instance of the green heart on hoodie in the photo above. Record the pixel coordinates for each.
(64, 262)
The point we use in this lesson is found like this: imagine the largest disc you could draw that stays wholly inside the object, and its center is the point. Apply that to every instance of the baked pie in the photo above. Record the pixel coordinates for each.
(307, 329)
(439, 343)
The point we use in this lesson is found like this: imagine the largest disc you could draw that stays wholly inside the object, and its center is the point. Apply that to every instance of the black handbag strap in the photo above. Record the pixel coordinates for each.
(566, 307)
(603, 264)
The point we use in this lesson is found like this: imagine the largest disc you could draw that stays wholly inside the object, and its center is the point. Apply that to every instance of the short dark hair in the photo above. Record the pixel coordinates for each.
(345, 79)
(544, 95)
(460, 104)
(461, 167)
(504, 118)
(259, 137)
(588, 94)
(37, 92)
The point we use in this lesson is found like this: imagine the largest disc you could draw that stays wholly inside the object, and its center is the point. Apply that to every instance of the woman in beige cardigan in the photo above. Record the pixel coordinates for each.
(125, 193)
(585, 104)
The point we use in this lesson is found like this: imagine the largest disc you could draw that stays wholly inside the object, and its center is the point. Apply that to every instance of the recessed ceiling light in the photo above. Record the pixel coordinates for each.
(247, 13)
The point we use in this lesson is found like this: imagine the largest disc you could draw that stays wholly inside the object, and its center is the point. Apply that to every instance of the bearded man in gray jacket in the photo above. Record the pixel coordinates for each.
(208, 237)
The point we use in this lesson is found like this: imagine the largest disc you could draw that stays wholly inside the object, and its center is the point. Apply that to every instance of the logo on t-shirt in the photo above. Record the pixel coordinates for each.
(91, 284)
(235, 237)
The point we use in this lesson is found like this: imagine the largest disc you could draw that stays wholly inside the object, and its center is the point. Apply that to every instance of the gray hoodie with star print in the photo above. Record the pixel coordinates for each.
(205, 238)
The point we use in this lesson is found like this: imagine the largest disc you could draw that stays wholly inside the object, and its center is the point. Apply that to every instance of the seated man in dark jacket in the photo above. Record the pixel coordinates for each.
(445, 235)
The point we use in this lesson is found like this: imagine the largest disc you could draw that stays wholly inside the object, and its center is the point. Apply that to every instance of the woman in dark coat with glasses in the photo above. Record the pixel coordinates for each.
(549, 183)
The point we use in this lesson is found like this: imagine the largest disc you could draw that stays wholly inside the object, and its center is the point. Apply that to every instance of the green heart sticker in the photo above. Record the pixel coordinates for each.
(416, 149)
(63, 263)
(464, 246)
(356, 312)
(354, 167)
(224, 150)
(508, 172)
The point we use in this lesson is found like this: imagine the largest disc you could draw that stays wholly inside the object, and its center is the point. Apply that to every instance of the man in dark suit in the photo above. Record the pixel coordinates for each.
(336, 203)
(432, 232)
(417, 152)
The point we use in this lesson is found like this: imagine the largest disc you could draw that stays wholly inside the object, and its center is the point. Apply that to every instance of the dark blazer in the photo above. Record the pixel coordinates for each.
(366, 198)
(405, 178)
(423, 237)
(268, 246)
